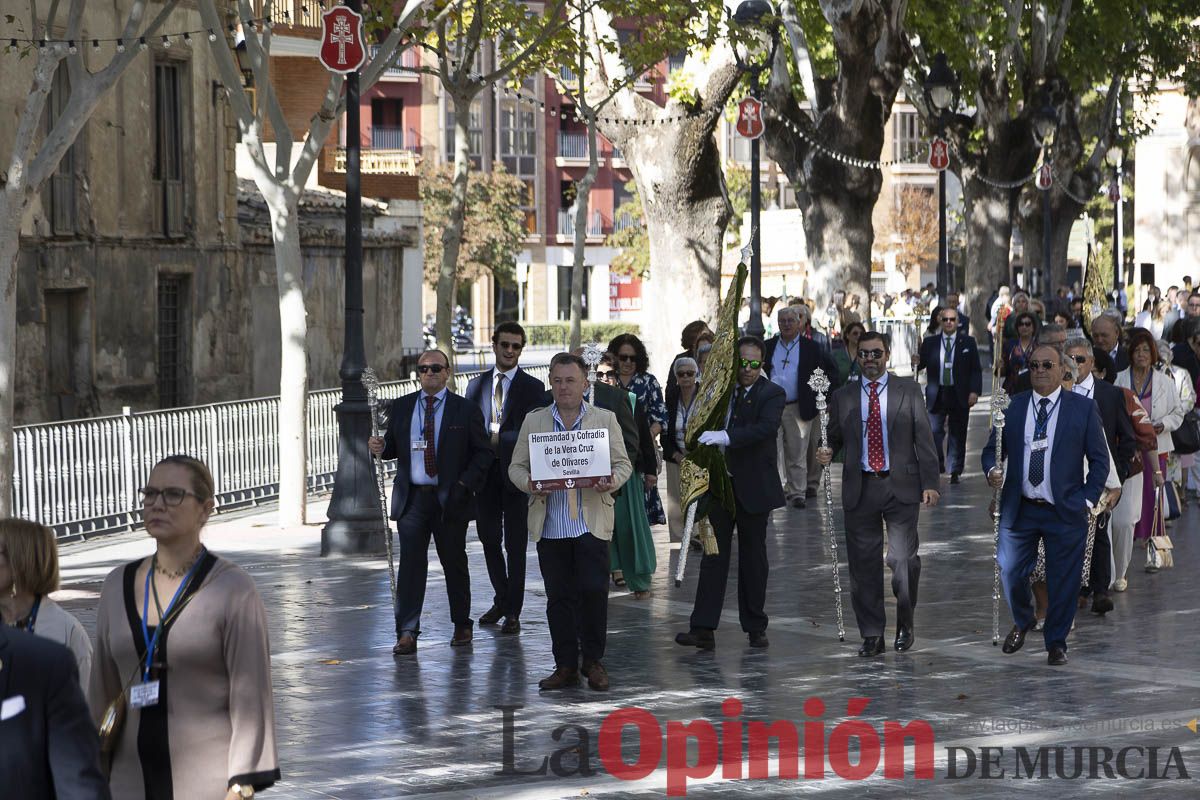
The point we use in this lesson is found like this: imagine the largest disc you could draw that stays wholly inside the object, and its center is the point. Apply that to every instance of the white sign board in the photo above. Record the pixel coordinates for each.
(569, 459)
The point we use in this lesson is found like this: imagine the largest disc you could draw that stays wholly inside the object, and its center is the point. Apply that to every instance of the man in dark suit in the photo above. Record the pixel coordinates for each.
(955, 381)
(504, 394)
(789, 361)
(750, 456)
(889, 472)
(1106, 334)
(1122, 444)
(1048, 435)
(48, 746)
(442, 457)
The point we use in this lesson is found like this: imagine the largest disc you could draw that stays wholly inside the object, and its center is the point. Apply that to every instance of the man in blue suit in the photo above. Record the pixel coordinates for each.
(1048, 434)
(955, 381)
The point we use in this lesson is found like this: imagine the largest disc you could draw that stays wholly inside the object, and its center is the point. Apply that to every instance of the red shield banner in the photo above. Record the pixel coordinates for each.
(939, 153)
(1045, 177)
(1114, 192)
(750, 118)
(342, 49)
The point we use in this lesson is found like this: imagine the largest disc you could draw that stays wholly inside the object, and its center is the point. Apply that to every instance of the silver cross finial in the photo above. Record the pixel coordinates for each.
(592, 354)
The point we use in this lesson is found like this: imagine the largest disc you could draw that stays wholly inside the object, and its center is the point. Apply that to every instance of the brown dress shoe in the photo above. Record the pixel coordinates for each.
(511, 625)
(597, 676)
(406, 645)
(462, 636)
(561, 678)
(492, 615)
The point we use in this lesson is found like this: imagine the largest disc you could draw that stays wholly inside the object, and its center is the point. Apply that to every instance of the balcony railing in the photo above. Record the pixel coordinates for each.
(376, 162)
(404, 65)
(573, 145)
(384, 137)
(566, 223)
(294, 13)
(624, 220)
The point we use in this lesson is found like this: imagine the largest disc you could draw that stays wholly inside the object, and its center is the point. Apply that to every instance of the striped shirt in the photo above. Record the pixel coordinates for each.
(559, 524)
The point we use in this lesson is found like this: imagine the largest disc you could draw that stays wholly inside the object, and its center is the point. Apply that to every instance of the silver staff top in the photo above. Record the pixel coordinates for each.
(819, 383)
(592, 354)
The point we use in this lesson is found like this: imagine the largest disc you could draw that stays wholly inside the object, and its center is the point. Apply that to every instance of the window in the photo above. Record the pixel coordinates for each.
(68, 354)
(564, 290)
(387, 124)
(908, 135)
(737, 147)
(517, 146)
(474, 132)
(168, 179)
(59, 195)
(172, 340)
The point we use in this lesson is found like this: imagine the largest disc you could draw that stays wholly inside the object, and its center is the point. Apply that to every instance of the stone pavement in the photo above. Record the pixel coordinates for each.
(355, 723)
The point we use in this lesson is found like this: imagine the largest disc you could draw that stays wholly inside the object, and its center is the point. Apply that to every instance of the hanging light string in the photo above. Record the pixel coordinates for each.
(142, 42)
(836, 155)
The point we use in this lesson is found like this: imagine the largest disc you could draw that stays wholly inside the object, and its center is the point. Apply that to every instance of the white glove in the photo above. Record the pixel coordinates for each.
(719, 438)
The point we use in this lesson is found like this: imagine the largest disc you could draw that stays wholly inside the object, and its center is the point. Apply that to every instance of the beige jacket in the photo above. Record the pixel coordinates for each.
(597, 506)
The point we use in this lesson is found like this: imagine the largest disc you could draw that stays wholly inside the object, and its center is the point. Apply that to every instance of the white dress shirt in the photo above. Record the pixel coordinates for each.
(1045, 490)
(507, 384)
(1086, 387)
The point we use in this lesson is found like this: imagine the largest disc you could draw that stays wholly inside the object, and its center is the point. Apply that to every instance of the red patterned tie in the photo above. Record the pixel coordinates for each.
(874, 430)
(430, 449)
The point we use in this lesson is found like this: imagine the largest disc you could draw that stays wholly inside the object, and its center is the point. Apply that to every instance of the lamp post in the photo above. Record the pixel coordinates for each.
(1045, 123)
(1116, 157)
(941, 96)
(757, 17)
(354, 525)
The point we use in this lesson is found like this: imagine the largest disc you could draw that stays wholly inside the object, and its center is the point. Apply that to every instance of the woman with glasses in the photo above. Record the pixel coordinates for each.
(633, 375)
(681, 403)
(182, 646)
(28, 574)
(1018, 350)
(846, 356)
(1160, 397)
(631, 550)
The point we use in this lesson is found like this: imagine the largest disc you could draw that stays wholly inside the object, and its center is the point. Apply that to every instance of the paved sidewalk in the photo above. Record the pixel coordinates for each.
(355, 723)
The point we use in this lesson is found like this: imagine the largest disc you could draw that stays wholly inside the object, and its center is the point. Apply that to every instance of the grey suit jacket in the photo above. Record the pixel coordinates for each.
(913, 459)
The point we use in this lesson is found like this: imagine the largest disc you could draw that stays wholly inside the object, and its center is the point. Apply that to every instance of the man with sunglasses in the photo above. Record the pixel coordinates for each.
(890, 470)
(1048, 435)
(442, 458)
(504, 395)
(748, 441)
(955, 381)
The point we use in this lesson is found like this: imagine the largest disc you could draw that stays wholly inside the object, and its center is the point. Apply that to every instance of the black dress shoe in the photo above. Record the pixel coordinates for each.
(954, 477)
(904, 639)
(492, 615)
(462, 636)
(1015, 639)
(759, 639)
(511, 625)
(1057, 657)
(1101, 604)
(810, 492)
(872, 646)
(697, 638)
(798, 502)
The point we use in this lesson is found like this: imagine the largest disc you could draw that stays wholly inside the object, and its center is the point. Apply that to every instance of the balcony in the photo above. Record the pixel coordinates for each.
(403, 67)
(302, 16)
(572, 149)
(386, 174)
(624, 220)
(566, 227)
(388, 138)
(618, 159)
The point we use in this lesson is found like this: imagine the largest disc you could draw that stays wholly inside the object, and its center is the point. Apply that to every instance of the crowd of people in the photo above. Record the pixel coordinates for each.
(1097, 458)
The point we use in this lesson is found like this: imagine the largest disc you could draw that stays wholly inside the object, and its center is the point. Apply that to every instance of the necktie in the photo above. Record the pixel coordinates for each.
(875, 458)
(430, 449)
(1037, 459)
(497, 408)
(948, 362)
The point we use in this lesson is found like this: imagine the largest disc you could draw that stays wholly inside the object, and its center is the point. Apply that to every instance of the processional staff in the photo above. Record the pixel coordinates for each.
(379, 423)
(1000, 402)
(819, 383)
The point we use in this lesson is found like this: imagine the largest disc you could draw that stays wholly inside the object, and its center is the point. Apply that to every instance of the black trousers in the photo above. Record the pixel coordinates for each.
(1101, 572)
(949, 416)
(503, 530)
(575, 573)
(422, 519)
(752, 571)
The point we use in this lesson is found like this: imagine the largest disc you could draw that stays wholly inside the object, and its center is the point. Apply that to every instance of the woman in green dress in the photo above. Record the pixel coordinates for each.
(846, 356)
(632, 546)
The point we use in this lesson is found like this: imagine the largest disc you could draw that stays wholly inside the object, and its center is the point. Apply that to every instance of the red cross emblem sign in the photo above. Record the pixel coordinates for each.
(750, 118)
(939, 153)
(1045, 177)
(342, 48)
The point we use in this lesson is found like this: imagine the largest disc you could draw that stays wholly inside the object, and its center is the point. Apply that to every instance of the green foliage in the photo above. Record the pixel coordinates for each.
(634, 241)
(493, 227)
(557, 333)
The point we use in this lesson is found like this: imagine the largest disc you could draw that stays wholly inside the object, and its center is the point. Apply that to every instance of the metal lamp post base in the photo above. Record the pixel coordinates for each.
(354, 526)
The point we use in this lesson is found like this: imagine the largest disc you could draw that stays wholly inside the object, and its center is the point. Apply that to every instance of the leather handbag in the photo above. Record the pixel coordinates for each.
(1159, 547)
(1170, 507)
(1186, 437)
(114, 716)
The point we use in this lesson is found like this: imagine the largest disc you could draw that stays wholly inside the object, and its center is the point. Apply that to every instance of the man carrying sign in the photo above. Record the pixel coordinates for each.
(572, 528)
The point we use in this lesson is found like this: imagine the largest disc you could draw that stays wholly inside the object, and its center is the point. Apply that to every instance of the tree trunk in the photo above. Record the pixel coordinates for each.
(988, 212)
(838, 235)
(293, 358)
(452, 236)
(10, 235)
(583, 194)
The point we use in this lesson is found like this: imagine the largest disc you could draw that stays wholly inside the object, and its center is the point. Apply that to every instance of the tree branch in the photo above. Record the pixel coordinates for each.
(1039, 40)
(1059, 33)
(1108, 120)
(554, 23)
(800, 55)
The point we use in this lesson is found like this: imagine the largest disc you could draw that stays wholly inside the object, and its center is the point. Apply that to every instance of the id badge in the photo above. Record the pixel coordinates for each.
(145, 694)
(1040, 444)
(494, 427)
(419, 444)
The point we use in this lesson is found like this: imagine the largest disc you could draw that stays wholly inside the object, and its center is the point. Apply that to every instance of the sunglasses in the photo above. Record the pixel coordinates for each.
(1080, 359)
(434, 368)
(171, 496)
(870, 354)
(687, 374)
(751, 363)
(1024, 324)
(1041, 366)
(626, 358)
(949, 319)
(511, 346)
(605, 373)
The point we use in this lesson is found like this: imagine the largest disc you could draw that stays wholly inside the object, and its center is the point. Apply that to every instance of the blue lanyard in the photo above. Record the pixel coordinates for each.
(31, 620)
(1040, 428)
(152, 643)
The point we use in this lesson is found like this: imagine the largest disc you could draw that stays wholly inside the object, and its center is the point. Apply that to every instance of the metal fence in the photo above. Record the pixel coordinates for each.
(81, 477)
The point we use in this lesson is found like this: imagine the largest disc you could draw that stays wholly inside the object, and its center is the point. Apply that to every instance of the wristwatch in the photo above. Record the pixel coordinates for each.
(242, 791)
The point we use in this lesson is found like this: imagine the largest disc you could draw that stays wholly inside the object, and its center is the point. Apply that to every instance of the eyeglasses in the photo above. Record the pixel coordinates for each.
(949, 319)
(172, 496)
(1041, 366)
(688, 374)
(434, 368)
(510, 346)
(626, 358)
(751, 363)
(1080, 359)
(870, 354)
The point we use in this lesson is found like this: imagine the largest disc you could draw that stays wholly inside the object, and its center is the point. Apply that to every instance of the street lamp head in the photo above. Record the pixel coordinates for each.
(941, 85)
(1113, 155)
(757, 20)
(753, 12)
(1045, 122)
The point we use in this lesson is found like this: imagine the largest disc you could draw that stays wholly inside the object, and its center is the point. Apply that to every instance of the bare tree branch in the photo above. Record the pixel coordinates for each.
(1059, 33)
(1039, 39)
(1108, 120)
(800, 54)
